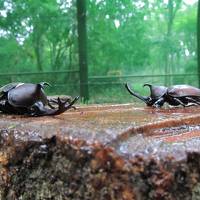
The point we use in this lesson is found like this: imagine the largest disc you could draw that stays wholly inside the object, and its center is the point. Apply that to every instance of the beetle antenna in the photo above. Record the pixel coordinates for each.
(143, 98)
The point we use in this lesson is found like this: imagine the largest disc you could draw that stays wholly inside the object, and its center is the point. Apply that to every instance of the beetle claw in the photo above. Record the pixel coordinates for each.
(62, 107)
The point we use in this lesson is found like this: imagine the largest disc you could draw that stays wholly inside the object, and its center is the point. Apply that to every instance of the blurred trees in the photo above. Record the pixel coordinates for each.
(118, 36)
(142, 36)
(44, 31)
(124, 37)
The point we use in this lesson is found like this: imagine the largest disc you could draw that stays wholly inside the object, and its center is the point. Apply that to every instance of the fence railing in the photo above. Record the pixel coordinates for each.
(101, 88)
(93, 79)
(142, 76)
(38, 73)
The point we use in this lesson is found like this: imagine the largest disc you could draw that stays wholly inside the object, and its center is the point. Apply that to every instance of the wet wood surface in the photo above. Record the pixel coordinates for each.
(102, 152)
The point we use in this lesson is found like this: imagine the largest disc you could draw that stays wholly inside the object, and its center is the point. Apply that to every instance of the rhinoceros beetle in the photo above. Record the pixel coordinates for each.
(184, 95)
(30, 99)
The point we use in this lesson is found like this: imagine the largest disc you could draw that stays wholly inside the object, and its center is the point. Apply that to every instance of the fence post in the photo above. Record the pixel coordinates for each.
(82, 44)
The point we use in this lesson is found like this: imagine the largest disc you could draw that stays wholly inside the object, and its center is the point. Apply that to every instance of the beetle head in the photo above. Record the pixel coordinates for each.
(156, 92)
(150, 101)
(43, 84)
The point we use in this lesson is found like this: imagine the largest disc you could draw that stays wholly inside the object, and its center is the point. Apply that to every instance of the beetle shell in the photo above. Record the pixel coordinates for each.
(8, 87)
(32, 93)
(183, 91)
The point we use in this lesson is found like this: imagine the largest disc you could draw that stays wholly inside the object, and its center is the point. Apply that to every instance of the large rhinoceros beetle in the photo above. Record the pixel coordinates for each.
(184, 95)
(30, 99)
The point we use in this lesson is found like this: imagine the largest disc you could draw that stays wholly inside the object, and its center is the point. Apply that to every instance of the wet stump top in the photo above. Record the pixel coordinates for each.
(102, 152)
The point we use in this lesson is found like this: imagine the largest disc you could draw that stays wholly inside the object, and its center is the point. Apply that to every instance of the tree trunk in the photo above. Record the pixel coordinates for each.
(53, 56)
(172, 7)
(82, 44)
(70, 57)
(38, 53)
(168, 42)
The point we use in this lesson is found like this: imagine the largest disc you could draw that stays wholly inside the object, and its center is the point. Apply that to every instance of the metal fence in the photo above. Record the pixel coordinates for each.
(111, 88)
(102, 89)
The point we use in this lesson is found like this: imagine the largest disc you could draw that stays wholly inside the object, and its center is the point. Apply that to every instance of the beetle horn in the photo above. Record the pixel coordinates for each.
(43, 84)
(147, 84)
(143, 98)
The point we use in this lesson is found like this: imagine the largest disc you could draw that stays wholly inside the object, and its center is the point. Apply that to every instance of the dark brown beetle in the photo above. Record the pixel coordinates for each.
(30, 99)
(184, 95)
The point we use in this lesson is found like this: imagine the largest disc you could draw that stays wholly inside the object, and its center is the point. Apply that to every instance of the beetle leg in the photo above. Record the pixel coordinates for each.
(3, 108)
(178, 102)
(38, 109)
(193, 100)
(62, 105)
(50, 105)
(55, 101)
(159, 103)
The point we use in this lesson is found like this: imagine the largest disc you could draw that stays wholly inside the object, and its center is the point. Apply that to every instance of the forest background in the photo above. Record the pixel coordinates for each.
(140, 41)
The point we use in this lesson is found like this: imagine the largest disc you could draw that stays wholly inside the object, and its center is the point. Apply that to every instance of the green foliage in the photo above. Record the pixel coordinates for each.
(117, 40)
(44, 31)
